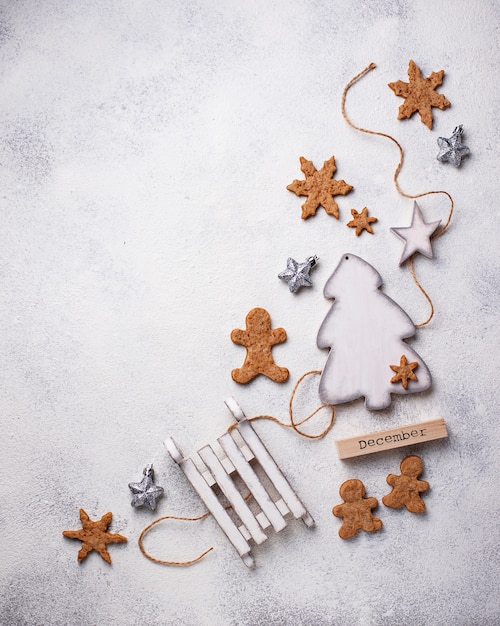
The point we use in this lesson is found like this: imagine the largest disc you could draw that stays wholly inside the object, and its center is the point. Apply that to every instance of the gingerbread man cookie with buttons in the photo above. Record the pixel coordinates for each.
(258, 339)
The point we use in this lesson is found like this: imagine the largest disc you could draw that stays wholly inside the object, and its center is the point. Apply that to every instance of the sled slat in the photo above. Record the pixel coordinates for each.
(232, 494)
(252, 481)
(272, 470)
(212, 503)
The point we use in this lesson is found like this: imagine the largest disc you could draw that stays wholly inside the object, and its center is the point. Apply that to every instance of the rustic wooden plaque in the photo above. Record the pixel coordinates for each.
(408, 435)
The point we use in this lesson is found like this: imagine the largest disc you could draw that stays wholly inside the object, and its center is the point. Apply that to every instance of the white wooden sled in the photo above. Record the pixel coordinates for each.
(239, 455)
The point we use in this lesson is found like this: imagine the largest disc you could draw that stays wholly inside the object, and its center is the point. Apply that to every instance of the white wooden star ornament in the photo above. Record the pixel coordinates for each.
(417, 236)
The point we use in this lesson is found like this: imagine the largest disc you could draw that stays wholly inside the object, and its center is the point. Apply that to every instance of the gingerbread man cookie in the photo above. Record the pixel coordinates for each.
(406, 488)
(356, 510)
(258, 339)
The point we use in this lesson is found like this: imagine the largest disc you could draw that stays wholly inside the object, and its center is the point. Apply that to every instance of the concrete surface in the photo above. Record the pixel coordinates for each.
(145, 149)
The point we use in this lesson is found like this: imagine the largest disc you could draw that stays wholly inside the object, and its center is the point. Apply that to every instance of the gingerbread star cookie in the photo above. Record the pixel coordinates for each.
(319, 187)
(361, 221)
(258, 339)
(420, 95)
(404, 371)
(94, 536)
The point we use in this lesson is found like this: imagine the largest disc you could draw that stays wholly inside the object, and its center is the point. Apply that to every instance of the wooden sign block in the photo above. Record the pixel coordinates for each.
(392, 438)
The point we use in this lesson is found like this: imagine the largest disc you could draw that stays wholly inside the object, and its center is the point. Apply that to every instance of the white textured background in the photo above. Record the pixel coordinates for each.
(145, 148)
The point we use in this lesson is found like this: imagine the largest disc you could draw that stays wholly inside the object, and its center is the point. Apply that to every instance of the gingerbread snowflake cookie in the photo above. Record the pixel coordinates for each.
(320, 187)
(419, 94)
(258, 339)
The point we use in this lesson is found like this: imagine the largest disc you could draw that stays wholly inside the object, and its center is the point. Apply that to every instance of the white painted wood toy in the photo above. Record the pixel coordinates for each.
(417, 236)
(239, 451)
(365, 330)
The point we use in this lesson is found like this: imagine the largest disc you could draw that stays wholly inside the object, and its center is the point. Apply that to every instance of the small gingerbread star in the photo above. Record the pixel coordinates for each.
(361, 221)
(404, 371)
(319, 187)
(93, 536)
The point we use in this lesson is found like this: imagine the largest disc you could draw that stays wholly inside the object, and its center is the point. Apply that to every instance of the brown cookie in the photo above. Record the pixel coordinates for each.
(258, 339)
(406, 488)
(419, 94)
(404, 371)
(320, 188)
(93, 536)
(361, 221)
(356, 510)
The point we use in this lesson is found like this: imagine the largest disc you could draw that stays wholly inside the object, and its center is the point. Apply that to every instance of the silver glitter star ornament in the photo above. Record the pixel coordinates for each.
(297, 274)
(146, 492)
(452, 149)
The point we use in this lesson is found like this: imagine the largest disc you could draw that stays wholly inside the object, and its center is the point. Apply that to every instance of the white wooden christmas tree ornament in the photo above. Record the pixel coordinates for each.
(242, 454)
(417, 236)
(366, 330)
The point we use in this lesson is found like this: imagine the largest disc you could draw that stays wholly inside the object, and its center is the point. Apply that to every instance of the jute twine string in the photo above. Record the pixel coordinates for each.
(439, 232)
(293, 424)
(182, 519)
(161, 519)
